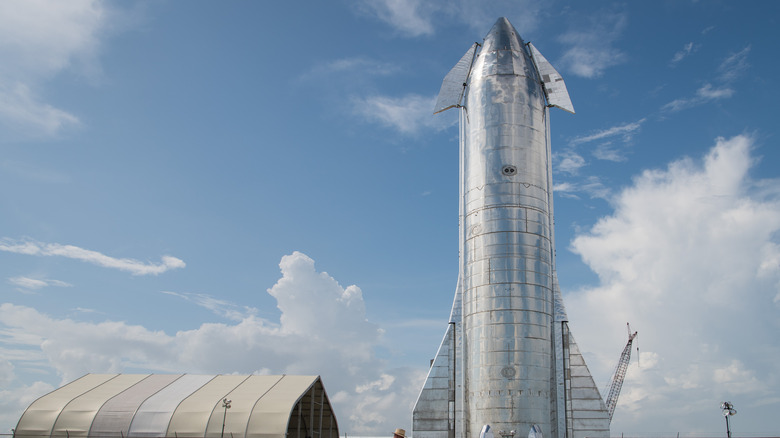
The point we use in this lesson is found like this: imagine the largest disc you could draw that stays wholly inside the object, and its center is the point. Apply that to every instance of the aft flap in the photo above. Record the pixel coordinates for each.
(454, 84)
(552, 81)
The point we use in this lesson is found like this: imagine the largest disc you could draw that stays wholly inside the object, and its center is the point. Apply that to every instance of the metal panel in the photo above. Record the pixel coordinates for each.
(554, 87)
(114, 418)
(590, 417)
(193, 413)
(454, 84)
(39, 419)
(153, 416)
(76, 418)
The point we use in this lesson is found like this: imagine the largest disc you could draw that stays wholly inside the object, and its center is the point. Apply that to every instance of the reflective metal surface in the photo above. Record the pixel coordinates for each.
(507, 359)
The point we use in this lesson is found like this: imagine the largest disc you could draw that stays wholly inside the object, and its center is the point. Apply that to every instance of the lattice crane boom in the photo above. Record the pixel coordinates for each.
(620, 373)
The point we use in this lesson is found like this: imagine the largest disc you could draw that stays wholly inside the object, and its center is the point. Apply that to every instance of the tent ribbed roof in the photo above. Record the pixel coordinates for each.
(184, 406)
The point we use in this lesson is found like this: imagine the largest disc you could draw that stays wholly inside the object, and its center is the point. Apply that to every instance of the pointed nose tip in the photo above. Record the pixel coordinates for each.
(503, 22)
(503, 36)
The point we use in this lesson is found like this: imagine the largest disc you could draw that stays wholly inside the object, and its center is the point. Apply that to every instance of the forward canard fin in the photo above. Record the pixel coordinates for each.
(552, 82)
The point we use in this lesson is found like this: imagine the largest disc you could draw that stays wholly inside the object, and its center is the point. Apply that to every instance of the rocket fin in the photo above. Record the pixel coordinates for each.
(588, 414)
(454, 84)
(552, 82)
(434, 413)
(576, 391)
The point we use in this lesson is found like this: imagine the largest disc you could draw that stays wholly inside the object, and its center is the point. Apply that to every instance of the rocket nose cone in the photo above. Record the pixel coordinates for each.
(503, 36)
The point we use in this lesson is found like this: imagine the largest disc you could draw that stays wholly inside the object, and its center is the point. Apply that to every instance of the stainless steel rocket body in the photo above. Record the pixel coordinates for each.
(508, 364)
(507, 278)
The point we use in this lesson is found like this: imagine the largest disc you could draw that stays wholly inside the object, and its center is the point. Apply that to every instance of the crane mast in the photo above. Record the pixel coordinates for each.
(620, 374)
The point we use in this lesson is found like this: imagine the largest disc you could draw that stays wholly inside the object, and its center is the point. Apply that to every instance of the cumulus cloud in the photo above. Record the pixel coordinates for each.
(135, 267)
(323, 330)
(590, 48)
(38, 40)
(689, 257)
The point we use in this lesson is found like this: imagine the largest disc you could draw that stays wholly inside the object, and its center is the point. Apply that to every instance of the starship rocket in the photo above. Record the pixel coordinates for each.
(508, 364)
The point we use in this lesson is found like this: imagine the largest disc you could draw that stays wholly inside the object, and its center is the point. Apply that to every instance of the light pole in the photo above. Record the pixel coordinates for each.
(728, 410)
(226, 405)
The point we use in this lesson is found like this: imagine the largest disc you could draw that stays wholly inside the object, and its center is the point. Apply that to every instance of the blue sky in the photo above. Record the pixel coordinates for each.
(219, 187)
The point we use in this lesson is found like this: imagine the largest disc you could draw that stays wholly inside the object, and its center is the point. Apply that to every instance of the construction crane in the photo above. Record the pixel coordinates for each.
(620, 373)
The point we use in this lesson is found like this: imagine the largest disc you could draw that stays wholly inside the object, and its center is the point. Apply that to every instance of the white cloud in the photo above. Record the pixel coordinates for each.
(409, 17)
(591, 48)
(684, 259)
(135, 267)
(624, 131)
(609, 152)
(38, 40)
(408, 114)
(220, 307)
(27, 283)
(21, 110)
(354, 67)
(322, 330)
(706, 93)
(591, 186)
(731, 68)
(569, 161)
(415, 18)
(682, 54)
(734, 66)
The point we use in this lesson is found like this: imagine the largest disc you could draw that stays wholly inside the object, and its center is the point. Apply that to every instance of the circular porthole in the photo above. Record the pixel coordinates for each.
(508, 372)
(509, 170)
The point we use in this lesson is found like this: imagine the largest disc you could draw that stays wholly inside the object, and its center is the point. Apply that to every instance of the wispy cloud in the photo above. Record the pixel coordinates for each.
(21, 108)
(706, 93)
(356, 65)
(419, 18)
(732, 67)
(610, 152)
(624, 131)
(135, 267)
(220, 307)
(569, 161)
(612, 147)
(683, 53)
(409, 17)
(591, 186)
(30, 284)
(408, 114)
(590, 47)
(42, 38)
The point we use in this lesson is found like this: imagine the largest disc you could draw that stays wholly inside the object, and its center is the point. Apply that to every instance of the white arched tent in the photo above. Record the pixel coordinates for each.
(182, 406)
